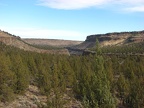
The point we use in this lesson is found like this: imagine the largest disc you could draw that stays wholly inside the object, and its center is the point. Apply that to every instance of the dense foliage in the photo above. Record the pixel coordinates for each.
(97, 81)
(132, 48)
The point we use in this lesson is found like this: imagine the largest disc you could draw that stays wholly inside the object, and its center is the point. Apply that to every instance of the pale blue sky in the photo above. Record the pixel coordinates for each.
(70, 19)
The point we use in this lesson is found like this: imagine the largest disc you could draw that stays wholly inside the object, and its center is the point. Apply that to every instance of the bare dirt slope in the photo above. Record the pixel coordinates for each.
(15, 41)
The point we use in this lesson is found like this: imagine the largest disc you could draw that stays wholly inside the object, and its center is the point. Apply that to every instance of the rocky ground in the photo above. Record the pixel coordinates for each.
(33, 99)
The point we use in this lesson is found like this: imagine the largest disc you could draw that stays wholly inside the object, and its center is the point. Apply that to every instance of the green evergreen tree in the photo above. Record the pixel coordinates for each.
(94, 86)
(122, 88)
(7, 79)
(21, 72)
(57, 90)
(102, 88)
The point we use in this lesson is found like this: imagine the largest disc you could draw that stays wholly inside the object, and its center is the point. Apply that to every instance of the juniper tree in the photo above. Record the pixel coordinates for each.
(7, 79)
(96, 91)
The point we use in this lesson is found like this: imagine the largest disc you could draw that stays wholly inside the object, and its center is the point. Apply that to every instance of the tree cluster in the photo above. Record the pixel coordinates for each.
(97, 81)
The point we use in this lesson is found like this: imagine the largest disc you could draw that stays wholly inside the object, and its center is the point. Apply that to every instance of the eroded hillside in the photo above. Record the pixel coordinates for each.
(113, 39)
(15, 41)
(109, 39)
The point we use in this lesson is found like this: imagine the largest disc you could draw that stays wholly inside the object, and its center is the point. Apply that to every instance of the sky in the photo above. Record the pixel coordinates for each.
(70, 19)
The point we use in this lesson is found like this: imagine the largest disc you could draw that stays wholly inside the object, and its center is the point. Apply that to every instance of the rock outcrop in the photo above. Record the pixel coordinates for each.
(112, 39)
(108, 39)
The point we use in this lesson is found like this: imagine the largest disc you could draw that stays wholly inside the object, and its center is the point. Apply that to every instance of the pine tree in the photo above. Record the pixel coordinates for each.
(102, 88)
(7, 79)
(21, 72)
(57, 90)
(94, 86)
(122, 88)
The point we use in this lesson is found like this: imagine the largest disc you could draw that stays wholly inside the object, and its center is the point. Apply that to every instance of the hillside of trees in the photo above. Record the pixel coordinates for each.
(98, 81)
(134, 48)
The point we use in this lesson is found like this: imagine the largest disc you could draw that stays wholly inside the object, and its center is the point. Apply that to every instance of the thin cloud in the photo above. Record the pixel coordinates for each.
(135, 9)
(132, 2)
(135, 5)
(71, 4)
(132, 5)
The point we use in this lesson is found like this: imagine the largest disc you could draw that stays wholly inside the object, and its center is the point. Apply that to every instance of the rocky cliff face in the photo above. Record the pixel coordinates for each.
(15, 41)
(112, 39)
(115, 36)
(125, 36)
